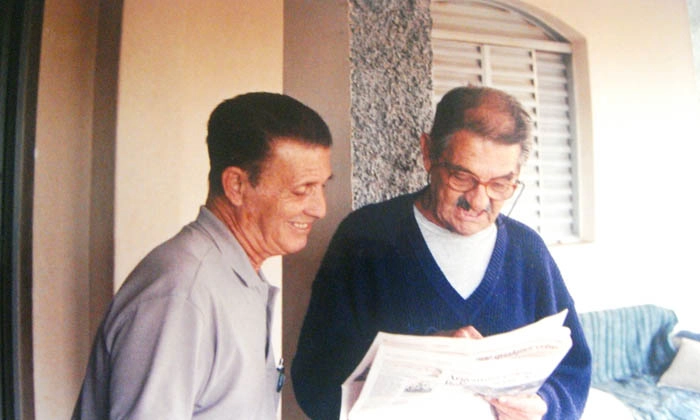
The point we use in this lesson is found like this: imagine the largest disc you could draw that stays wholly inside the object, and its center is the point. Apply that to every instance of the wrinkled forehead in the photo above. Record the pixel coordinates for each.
(470, 150)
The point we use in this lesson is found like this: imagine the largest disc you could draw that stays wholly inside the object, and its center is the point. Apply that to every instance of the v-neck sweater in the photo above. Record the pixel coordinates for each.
(463, 259)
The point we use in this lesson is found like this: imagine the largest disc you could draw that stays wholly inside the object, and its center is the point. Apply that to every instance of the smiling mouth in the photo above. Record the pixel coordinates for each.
(301, 226)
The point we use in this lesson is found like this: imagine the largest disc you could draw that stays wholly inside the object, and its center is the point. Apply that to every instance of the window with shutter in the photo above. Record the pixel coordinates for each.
(488, 44)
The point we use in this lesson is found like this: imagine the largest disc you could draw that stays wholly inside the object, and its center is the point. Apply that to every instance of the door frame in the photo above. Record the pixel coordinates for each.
(20, 44)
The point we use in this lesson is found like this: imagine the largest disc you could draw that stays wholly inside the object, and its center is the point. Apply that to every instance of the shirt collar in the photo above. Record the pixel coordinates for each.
(231, 250)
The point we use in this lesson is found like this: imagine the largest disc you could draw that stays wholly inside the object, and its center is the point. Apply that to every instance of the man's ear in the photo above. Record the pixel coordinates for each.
(425, 143)
(232, 180)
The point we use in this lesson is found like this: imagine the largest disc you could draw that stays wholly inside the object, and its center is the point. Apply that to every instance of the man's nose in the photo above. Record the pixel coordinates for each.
(317, 203)
(478, 198)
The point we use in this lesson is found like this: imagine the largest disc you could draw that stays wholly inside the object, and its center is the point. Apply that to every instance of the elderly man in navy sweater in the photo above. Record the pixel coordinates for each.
(443, 259)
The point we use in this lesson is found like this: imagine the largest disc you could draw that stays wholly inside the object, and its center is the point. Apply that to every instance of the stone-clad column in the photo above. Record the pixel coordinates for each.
(390, 73)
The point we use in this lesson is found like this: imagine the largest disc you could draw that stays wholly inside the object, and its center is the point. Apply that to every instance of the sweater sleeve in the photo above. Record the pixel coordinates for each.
(531, 288)
(566, 390)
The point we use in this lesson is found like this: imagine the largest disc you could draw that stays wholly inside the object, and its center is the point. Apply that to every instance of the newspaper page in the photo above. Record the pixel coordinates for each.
(403, 375)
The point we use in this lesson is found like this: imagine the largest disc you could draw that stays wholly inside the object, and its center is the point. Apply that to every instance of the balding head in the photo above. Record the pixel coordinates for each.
(486, 112)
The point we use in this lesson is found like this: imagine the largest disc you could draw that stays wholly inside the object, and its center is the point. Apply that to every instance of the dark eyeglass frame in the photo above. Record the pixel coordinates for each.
(469, 182)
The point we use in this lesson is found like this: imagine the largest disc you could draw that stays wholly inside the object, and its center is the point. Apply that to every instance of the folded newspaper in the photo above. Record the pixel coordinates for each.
(414, 376)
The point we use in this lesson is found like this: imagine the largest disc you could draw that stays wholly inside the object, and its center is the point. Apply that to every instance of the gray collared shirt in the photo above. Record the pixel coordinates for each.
(186, 336)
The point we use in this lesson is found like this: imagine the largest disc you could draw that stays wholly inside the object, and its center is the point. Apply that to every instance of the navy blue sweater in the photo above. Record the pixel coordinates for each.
(378, 275)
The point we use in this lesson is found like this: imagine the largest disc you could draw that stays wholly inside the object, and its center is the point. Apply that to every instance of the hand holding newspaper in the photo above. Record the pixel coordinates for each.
(414, 376)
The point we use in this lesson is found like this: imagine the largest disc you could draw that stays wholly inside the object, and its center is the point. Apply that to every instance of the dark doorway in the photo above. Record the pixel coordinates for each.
(20, 40)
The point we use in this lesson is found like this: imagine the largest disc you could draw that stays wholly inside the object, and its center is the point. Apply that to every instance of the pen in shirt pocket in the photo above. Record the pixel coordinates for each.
(280, 376)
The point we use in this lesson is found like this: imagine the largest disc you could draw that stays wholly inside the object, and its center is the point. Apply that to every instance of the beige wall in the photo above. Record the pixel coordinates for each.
(179, 59)
(644, 144)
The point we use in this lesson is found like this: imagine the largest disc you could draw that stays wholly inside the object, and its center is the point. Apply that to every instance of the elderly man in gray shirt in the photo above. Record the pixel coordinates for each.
(188, 334)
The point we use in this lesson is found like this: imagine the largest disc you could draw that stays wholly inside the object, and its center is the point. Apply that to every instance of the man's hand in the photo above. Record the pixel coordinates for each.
(519, 407)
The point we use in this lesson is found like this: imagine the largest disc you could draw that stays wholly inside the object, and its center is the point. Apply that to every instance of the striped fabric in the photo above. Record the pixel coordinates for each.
(631, 348)
(629, 341)
(647, 401)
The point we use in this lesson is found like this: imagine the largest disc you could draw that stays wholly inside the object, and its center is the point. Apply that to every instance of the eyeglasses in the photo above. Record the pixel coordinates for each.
(464, 181)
